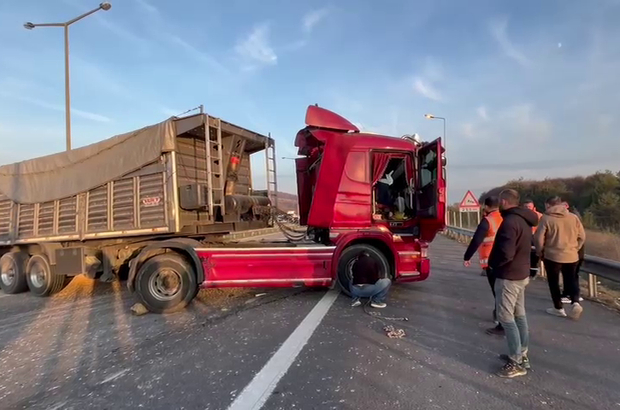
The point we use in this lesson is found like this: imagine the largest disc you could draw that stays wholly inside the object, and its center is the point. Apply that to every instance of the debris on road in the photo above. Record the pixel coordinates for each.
(394, 333)
(139, 309)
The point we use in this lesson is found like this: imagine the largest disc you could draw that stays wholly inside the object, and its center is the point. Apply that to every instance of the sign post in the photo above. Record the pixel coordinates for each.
(469, 204)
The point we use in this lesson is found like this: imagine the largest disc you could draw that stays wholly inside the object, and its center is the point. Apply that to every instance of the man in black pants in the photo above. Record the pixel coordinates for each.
(482, 242)
(559, 236)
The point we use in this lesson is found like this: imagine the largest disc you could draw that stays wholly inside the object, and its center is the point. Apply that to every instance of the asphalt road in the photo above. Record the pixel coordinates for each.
(84, 349)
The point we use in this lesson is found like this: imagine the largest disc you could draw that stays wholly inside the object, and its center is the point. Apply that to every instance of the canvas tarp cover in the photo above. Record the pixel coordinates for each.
(66, 174)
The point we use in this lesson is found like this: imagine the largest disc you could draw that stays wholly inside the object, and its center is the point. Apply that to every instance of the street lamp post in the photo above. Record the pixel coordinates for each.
(105, 6)
(433, 117)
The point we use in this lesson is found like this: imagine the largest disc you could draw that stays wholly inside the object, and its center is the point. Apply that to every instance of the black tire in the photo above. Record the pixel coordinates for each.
(350, 254)
(153, 289)
(13, 272)
(42, 281)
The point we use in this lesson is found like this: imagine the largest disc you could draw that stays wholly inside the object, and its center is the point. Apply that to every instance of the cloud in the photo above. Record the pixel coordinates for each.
(313, 18)
(431, 72)
(514, 125)
(498, 29)
(43, 104)
(198, 54)
(255, 48)
(146, 5)
(425, 89)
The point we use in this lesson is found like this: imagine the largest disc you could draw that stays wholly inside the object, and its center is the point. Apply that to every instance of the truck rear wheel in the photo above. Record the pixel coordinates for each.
(41, 280)
(348, 258)
(166, 283)
(13, 272)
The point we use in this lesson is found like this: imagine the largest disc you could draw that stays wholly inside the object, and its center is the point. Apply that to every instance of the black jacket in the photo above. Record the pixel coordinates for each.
(510, 256)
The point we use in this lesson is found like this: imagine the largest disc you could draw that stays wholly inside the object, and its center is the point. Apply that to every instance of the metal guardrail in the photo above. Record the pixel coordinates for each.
(592, 266)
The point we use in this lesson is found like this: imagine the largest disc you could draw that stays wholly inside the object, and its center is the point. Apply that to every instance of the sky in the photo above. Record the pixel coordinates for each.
(528, 89)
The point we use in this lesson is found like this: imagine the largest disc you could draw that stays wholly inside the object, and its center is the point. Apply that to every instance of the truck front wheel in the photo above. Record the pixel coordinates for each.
(348, 258)
(13, 272)
(166, 283)
(41, 280)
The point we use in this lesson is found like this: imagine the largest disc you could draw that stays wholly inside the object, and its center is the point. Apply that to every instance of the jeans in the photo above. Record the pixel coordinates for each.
(570, 278)
(510, 305)
(377, 292)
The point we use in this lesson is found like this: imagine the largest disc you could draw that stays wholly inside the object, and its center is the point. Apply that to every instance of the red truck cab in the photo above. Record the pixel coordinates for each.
(357, 192)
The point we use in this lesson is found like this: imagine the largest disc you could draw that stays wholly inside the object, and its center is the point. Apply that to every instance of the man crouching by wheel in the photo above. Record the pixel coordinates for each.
(364, 283)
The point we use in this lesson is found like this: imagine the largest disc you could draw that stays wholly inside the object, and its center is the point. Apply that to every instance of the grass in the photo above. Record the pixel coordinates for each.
(603, 244)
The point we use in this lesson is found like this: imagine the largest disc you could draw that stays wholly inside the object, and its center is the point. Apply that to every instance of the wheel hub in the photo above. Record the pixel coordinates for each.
(165, 284)
(37, 275)
(8, 276)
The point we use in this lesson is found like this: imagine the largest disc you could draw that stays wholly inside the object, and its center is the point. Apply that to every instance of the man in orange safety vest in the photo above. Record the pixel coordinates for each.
(482, 241)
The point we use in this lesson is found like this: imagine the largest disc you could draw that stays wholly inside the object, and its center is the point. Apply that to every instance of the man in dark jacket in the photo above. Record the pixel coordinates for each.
(510, 261)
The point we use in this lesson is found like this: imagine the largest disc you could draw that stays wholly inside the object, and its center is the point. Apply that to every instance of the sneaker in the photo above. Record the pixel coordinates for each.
(497, 331)
(576, 311)
(525, 361)
(378, 305)
(356, 302)
(557, 312)
(512, 369)
(567, 301)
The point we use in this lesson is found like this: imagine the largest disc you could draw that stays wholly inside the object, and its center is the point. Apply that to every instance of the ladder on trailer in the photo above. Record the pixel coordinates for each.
(216, 162)
(270, 163)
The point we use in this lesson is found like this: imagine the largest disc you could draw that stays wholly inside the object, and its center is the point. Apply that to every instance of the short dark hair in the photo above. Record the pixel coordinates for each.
(554, 201)
(491, 201)
(511, 196)
(528, 201)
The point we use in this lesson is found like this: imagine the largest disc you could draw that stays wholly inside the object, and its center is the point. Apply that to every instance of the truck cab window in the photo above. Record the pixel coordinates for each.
(428, 171)
(393, 194)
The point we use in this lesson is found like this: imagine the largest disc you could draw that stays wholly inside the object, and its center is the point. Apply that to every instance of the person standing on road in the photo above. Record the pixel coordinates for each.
(510, 262)
(364, 283)
(582, 255)
(482, 241)
(558, 240)
(534, 259)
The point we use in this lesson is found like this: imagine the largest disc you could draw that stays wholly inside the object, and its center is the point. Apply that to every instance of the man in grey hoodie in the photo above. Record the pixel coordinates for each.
(558, 239)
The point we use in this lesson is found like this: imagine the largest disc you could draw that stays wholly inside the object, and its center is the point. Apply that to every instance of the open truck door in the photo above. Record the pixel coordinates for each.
(431, 189)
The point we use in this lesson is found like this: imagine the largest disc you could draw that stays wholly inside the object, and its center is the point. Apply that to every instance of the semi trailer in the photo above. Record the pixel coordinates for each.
(91, 210)
(358, 193)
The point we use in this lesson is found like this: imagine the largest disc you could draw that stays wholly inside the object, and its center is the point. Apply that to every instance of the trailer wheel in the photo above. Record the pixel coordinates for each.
(166, 283)
(13, 272)
(348, 258)
(41, 280)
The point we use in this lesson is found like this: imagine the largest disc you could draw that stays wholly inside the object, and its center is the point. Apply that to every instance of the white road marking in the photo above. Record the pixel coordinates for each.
(3, 295)
(114, 376)
(255, 394)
